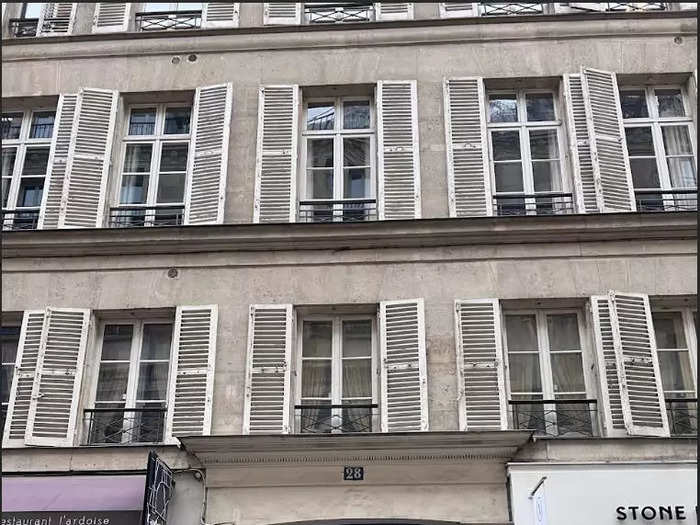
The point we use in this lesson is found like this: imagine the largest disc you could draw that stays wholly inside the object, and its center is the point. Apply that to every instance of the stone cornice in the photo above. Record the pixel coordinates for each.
(338, 236)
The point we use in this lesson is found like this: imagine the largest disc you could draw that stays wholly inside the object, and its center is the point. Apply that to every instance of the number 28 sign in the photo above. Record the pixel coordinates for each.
(353, 473)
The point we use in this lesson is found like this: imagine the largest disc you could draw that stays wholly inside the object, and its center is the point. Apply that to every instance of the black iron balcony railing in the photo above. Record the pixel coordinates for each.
(137, 216)
(338, 12)
(20, 219)
(556, 418)
(327, 418)
(347, 210)
(124, 425)
(543, 203)
(498, 9)
(682, 415)
(168, 20)
(621, 6)
(21, 27)
(667, 200)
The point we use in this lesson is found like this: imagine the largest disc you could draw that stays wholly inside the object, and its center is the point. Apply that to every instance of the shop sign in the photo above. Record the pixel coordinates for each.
(82, 517)
(651, 512)
(159, 491)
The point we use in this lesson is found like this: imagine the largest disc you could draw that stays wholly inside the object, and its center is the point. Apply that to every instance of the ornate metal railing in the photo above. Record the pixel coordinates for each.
(137, 216)
(326, 419)
(556, 418)
(168, 20)
(20, 27)
(347, 210)
(20, 219)
(496, 9)
(667, 200)
(338, 12)
(622, 6)
(682, 416)
(124, 425)
(543, 203)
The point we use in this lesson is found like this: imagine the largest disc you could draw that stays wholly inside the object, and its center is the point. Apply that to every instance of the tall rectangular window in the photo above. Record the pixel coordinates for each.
(9, 340)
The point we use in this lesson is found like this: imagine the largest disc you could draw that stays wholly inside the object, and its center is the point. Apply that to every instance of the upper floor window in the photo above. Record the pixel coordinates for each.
(338, 155)
(26, 143)
(9, 340)
(525, 140)
(154, 166)
(159, 16)
(659, 133)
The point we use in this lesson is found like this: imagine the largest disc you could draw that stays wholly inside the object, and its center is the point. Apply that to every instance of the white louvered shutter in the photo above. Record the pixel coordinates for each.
(276, 161)
(53, 410)
(88, 159)
(281, 13)
(399, 161)
(584, 180)
(220, 14)
(23, 378)
(468, 180)
(208, 161)
(53, 192)
(458, 9)
(480, 373)
(394, 10)
(611, 167)
(268, 370)
(643, 404)
(404, 381)
(191, 389)
(111, 17)
(57, 18)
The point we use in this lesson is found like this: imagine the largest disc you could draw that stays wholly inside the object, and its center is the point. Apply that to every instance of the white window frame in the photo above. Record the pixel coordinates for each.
(14, 363)
(157, 140)
(688, 327)
(337, 365)
(657, 123)
(338, 134)
(134, 368)
(523, 126)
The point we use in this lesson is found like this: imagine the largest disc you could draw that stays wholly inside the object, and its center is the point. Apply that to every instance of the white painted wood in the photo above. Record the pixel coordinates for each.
(458, 9)
(394, 10)
(220, 14)
(111, 17)
(281, 13)
(62, 16)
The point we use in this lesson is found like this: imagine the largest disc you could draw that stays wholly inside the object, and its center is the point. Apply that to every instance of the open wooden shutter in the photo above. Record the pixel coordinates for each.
(220, 14)
(480, 373)
(111, 17)
(276, 163)
(458, 9)
(404, 381)
(23, 378)
(208, 161)
(394, 10)
(88, 159)
(53, 410)
(193, 360)
(468, 180)
(268, 370)
(60, 144)
(281, 13)
(57, 18)
(399, 161)
(584, 179)
(611, 167)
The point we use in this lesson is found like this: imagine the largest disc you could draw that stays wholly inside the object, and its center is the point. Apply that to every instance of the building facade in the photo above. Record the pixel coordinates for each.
(350, 262)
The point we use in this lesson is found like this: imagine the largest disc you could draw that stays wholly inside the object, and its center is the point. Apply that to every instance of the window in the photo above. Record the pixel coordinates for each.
(659, 134)
(28, 21)
(132, 384)
(160, 16)
(154, 167)
(526, 153)
(548, 390)
(26, 144)
(339, 160)
(675, 337)
(9, 338)
(336, 388)
(338, 12)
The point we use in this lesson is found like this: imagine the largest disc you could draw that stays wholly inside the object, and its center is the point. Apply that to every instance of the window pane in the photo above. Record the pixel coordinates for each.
(173, 157)
(11, 125)
(116, 343)
(640, 142)
(562, 330)
(677, 140)
(149, 425)
(317, 337)
(668, 328)
(112, 382)
(320, 115)
(321, 184)
(357, 338)
(682, 172)
(320, 153)
(171, 188)
(356, 183)
(670, 102)
(509, 177)
(36, 160)
(8, 161)
(30, 191)
(138, 158)
(506, 145)
(5, 190)
(356, 114)
(6, 373)
(156, 6)
(675, 371)
(567, 373)
(9, 339)
(32, 10)
(503, 108)
(524, 372)
(540, 106)
(142, 121)
(177, 121)
(521, 331)
(546, 176)
(356, 152)
(189, 6)
(316, 378)
(134, 189)
(153, 381)
(645, 173)
(634, 104)
(156, 341)
(357, 378)
(42, 125)
(543, 144)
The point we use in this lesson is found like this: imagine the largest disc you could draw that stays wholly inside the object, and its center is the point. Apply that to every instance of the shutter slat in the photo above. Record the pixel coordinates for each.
(458, 9)
(111, 17)
(281, 13)
(220, 14)
(394, 10)
(57, 18)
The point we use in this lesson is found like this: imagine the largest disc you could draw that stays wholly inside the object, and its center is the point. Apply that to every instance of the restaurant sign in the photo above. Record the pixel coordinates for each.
(113, 517)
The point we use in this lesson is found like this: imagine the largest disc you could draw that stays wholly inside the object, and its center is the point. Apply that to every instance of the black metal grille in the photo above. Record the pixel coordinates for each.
(493, 9)
(625, 6)
(671, 200)
(544, 203)
(168, 20)
(327, 418)
(556, 418)
(138, 216)
(20, 219)
(22, 27)
(682, 416)
(338, 12)
(348, 210)
(124, 425)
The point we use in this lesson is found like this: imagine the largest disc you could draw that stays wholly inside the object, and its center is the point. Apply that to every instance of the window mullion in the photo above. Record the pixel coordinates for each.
(545, 355)
(691, 344)
(336, 363)
(134, 368)
(660, 149)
